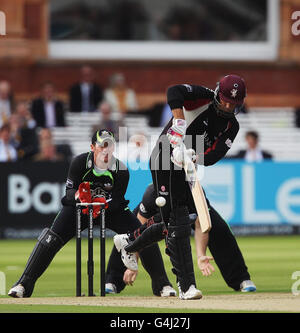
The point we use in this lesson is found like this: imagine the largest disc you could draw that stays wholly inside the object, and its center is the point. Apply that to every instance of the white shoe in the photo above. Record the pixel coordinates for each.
(167, 291)
(129, 259)
(247, 286)
(191, 293)
(17, 291)
(110, 288)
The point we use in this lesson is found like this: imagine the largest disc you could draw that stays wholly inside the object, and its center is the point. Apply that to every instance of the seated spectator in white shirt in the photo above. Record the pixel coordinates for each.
(253, 153)
(120, 96)
(7, 151)
(106, 121)
(47, 110)
(6, 102)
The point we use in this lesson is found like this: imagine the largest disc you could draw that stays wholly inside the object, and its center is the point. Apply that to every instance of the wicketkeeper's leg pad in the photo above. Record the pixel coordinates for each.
(48, 244)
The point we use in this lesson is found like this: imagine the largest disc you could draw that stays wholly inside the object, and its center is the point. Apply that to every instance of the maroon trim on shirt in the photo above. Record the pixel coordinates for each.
(192, 105)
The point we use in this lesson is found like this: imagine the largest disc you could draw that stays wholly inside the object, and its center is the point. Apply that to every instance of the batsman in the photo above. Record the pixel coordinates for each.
(94, 176)
(200, 115)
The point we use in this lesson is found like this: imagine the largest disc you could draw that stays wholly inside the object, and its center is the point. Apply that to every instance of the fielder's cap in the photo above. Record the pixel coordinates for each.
(232, 89)
(102, 136)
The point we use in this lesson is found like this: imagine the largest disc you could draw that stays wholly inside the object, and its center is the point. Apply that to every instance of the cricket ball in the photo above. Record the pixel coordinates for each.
(160, 201)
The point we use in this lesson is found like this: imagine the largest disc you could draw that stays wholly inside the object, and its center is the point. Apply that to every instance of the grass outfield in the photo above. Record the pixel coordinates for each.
(270, 260)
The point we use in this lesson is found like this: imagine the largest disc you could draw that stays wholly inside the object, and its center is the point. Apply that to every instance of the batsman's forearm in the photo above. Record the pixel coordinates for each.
(201, 240)
(178, 113)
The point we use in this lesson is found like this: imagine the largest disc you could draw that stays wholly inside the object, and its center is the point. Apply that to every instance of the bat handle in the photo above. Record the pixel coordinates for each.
(188, 164)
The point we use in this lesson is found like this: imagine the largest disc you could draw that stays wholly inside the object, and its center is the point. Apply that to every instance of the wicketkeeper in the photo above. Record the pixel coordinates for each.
(94, 176)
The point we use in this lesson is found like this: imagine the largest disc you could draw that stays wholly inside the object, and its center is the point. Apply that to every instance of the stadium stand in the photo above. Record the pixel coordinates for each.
(278, 133)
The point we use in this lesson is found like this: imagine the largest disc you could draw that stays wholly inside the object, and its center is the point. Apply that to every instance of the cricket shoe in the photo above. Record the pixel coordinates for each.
(191, 293)
(17, 291)
(129, 259)
(110, 288)
(167, 291)
(247, 286)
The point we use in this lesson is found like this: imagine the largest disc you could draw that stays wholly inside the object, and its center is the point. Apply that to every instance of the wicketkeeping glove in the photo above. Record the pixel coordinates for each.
(176, 132)
(84, 193)
(96, 208)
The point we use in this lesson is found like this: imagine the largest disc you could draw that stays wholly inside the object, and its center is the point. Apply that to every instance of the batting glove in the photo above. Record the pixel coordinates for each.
(179, 155)
(176, 132)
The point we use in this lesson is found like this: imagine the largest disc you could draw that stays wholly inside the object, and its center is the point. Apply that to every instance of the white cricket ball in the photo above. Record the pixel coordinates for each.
(160, 201)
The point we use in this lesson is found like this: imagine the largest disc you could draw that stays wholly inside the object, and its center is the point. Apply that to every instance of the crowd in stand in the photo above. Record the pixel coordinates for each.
(25, 126)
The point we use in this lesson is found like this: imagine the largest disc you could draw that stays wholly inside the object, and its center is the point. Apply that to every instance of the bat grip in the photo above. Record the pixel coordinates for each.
(188, 163)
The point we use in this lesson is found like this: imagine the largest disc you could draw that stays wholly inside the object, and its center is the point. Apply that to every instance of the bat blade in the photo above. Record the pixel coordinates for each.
(198, 195)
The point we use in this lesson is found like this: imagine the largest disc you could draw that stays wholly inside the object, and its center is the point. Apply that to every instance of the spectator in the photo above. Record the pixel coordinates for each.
(8, 152)
(106, 121)
(85, 95)
(159, 114)
(244, 109)
(23, 138)
(6, 102)
(253, 153)
(62, 149)
(48, 152)
(166, 115)
(138, 148)
(22, 109)
(45, 134)
(47, 110)
(120, 97)
(297, 117)
(155, 114)
(137, 153)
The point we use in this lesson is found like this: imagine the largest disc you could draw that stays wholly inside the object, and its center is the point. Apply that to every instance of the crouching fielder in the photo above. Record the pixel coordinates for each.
(220, 241)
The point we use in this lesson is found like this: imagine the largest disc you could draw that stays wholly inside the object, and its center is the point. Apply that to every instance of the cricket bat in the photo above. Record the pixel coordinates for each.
(197, 193)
